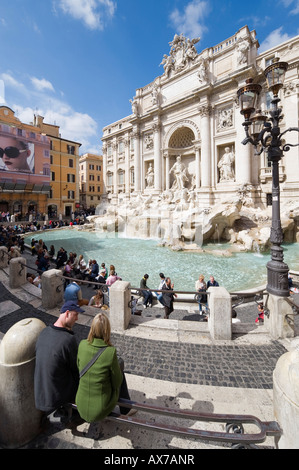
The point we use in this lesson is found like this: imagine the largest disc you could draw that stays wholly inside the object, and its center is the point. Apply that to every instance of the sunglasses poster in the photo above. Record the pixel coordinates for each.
(24, 154)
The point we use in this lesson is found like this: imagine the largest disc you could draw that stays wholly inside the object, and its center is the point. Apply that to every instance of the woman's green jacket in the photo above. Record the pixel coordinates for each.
(99, 387)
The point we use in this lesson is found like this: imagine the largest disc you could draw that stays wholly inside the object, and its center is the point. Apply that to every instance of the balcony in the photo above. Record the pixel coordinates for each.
(266, 174)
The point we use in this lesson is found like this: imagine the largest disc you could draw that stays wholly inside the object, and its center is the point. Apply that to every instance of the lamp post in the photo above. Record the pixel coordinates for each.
(266, 134)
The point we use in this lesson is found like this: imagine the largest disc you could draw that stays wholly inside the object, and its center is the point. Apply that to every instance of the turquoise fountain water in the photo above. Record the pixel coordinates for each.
(133, 258)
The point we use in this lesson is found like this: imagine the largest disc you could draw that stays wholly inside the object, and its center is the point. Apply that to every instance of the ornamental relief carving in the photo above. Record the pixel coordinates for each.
(291, 88)
(225, 119)
(148, 142)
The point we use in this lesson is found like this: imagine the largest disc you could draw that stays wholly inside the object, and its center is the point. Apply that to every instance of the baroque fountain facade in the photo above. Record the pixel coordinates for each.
(176, 169)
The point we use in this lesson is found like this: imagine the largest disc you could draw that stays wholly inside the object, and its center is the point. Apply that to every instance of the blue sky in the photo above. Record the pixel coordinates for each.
(79, 62)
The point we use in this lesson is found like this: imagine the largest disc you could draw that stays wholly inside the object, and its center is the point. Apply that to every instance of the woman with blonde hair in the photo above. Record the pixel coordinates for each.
(103, 383)
(201, 287)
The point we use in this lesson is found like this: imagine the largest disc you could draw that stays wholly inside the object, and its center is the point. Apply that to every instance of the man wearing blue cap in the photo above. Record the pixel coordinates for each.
(56, 376)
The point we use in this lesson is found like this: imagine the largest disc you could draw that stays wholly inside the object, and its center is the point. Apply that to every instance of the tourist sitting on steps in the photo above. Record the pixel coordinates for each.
(56, 376)
(104, 383)
(97, 300)
(73, 292)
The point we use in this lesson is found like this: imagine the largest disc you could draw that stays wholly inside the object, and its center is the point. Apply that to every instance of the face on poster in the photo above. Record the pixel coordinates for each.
(16, 155)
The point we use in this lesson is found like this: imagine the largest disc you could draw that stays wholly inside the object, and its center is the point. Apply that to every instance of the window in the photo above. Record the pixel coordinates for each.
(121, 178)
(110, 179)
(53, 175)
(109, 150)
(91, 177)
(46, 153)
(46, 170)
(121, 147)
(98, 167)
(51, 159)
(91, 189)
(99, 189)
(71, 178)
(71, 194)
(98, 178)
(132, 176)
(91, 167)
(71, 163)
(71, 149)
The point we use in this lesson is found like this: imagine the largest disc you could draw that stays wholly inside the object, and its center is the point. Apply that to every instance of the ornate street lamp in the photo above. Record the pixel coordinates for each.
(265, 135)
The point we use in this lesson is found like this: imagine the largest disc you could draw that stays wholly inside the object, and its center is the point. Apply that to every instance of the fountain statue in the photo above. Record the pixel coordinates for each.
(176, 219)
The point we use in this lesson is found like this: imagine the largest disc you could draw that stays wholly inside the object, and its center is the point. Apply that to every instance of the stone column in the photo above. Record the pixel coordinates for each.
(20, 420)
(104, 150)
(115, 168)
(3, 257)
(127, 165)
(220, 319)
(291, 110)
(167, 169)
(198, 166)
(157, 157)
(205, 112)
(286, 399)
(52, 288)
(137, 165)
(277, 324)
(120, 311)
(17, 272)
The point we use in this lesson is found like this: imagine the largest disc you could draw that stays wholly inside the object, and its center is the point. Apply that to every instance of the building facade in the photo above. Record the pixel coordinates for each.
(50, 183)
(90, 180)
(185, 131)
(24, 167)
(64, 196)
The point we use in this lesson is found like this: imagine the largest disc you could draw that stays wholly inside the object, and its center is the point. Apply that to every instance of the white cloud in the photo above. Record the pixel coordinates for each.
(41, 84)
(10, 81)
(37, 98)
(91, 12)
(190, 22)
(274, 38)
(75, 126)
(295, 3)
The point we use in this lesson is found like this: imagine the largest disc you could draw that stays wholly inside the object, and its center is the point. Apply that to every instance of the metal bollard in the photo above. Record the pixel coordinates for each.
(20, 420)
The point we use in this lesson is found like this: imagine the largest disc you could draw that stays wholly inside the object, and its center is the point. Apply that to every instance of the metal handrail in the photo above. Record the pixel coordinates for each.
(234, 429)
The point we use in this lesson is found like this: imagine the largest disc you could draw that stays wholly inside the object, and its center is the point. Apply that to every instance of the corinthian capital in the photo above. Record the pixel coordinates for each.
(205, 110)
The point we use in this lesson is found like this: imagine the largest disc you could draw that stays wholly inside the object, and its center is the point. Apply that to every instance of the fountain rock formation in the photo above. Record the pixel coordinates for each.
(177, 220)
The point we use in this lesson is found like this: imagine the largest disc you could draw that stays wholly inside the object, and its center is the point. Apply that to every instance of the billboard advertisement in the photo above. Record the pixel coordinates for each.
(24, 156)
